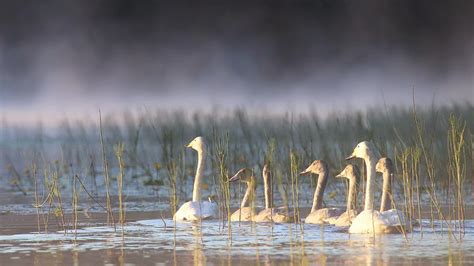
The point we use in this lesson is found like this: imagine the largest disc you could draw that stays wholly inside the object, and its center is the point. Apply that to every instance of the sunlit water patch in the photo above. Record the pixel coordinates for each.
(210, 240)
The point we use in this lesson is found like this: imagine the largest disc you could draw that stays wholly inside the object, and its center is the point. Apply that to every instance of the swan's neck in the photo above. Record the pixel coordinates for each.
(352, 195)
(199, 174)
(318, 194)
(248, 194)
(387, 190)
(267, 185)
(370, 163)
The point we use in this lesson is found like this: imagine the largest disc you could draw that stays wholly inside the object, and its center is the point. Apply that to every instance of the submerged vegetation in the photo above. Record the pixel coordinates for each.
(143, 153)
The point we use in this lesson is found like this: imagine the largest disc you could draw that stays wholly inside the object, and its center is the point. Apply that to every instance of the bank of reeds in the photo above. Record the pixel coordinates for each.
(431, 149)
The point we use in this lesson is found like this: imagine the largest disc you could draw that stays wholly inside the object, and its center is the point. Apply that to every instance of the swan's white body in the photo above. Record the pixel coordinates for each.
(270, 214)
(375, 222)
(245, 213)
(370, 221)
(324, 215)
(197, 209)
(319, 215)
(274, 215)
(345, 219)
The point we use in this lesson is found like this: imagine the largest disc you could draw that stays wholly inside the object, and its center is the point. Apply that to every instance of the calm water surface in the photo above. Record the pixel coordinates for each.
(161, 242)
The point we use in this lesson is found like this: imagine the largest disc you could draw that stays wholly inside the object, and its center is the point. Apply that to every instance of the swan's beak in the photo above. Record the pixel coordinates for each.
(212, 198)
(234, 178)
(339, 175)
(307, 171)
(351, 157)
(188, 146)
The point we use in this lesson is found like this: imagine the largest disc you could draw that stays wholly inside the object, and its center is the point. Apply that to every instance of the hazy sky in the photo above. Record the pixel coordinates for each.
(66, 58)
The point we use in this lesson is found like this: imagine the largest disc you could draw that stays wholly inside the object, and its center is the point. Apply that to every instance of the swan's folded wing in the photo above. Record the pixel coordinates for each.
(325, 215)
(185, 212)
(244, 214)
(394, 216)
(208, 210)
(397, 217)
(333, 214)
(369, 222)
(194, 211)
(316, 217)
(275, 215)
(346, 218)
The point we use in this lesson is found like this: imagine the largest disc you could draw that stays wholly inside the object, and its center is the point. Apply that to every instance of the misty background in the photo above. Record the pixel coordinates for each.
(69, 58)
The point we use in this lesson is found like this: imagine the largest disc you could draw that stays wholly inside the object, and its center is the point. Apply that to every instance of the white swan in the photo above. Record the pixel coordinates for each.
(271, 214)
(370, 221)
(245, 213)
(385, 166)
(350, 172)
(197, 209)
(319, 215)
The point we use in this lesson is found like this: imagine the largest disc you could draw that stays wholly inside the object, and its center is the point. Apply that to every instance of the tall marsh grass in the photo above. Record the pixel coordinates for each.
(431, 149)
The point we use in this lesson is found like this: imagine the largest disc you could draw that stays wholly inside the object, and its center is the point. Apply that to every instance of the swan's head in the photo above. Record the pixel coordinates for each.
(197, 144)
(212, 198)
(363, 150)
(244, 175)
(350, 172)
(384, 164)
(316, 167)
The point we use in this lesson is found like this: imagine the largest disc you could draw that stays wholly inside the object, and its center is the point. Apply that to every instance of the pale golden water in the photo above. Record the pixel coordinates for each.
(151, 242)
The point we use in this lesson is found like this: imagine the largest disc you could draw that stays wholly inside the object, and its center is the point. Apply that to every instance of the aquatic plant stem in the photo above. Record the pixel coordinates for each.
(110, 215)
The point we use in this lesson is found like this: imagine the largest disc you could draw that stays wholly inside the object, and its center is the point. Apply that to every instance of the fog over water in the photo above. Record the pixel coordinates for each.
(68, 59)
